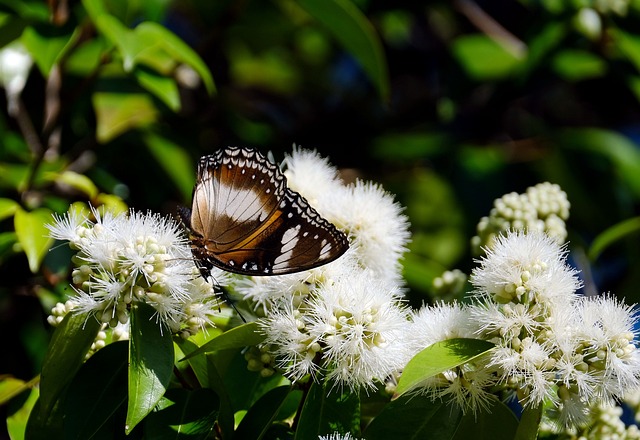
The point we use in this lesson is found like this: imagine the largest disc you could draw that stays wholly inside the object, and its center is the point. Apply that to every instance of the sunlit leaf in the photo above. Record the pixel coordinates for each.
(17, 422)
(118, 113)
(576, 65)
(32, 234)
(8, 207)
(11, 387)
(440, 357)
(162, 87)
(244, 335)
(77, 181)
(151, 363)
(47, 44)
(349, 26)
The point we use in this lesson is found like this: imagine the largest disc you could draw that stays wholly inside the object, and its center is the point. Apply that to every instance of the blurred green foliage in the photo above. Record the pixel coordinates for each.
(449, 105)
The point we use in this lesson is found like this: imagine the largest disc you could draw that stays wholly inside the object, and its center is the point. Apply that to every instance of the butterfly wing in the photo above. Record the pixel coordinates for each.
(246, 220)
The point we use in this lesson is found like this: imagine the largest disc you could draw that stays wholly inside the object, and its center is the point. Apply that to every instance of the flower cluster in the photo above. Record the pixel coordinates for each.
(551, 344)
(450, 284)
(342, 321)
(122, 259)
(542, 208)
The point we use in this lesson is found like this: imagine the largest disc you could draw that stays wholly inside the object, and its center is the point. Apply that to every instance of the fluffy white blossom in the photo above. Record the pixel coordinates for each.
(123, 258)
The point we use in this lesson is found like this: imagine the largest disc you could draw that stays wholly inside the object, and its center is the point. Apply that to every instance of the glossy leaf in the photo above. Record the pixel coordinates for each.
(17, 421)
(32, 234)
(65, 355)
(613, 234)
(351, 28)
(258, 419)
(8, 207)
(226, 411)
(440, 357)
(197, 363)
(326, 411)
(117, 113)
(95, 414)
(496, 423)
(244, 335)
(151, 363)
(183, 414)
(414, 417)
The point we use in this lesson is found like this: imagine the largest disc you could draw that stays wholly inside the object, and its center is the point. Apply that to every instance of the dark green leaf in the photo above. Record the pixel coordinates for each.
(175, 161)
(100, 412)
(415, 417)
(351, 28)
(257, 420)
(529, 424)
(327, 411)
(197, 363)
(613, 234)
(440, 357)
(183, 414)
(32, 234)
(497, 423)
(151, 363)
(225, 415)
(66, 353)
(242, 336)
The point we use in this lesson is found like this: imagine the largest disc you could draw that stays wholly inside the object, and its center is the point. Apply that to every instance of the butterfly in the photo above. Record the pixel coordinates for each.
(244, 219)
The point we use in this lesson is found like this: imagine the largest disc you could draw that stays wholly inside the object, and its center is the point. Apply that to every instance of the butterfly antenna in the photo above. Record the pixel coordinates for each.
(227, 299)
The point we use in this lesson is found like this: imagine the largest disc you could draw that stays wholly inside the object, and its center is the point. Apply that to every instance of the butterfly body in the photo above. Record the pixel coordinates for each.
(244, 219)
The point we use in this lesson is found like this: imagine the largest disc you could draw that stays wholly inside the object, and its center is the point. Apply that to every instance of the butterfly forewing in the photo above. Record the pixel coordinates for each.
(244, 219)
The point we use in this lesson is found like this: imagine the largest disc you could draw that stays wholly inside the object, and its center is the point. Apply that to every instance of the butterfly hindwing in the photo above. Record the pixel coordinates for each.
(245, 219)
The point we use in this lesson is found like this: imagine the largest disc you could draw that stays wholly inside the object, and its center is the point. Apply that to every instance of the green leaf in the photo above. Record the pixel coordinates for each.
(496, 423)
(174, 160)
(577, 65)
(198, 364)
(440, 357)
(77, 181)
(242, 336)
(183, 414)
(176, 48)
(258, 419)
(628, 44)
(351, 28)
(99, 412)
(414, 417)
(326, 411)
(17, 421)
(613, 234)
(66, 353)
(160, 86)
(117, 113)
(217, 384)
(32, 234)
(151, 363)
(622, 154)
(8, 207)
(529, 424)
(11, 387)
(47, 45)
(483, 58)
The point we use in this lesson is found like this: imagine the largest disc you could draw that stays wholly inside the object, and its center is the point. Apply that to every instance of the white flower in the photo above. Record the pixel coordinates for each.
(337, 436)
(312, 176)
(15, 64)
(136, 257)
(437, 323)
(361, 326)
(526, 268)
